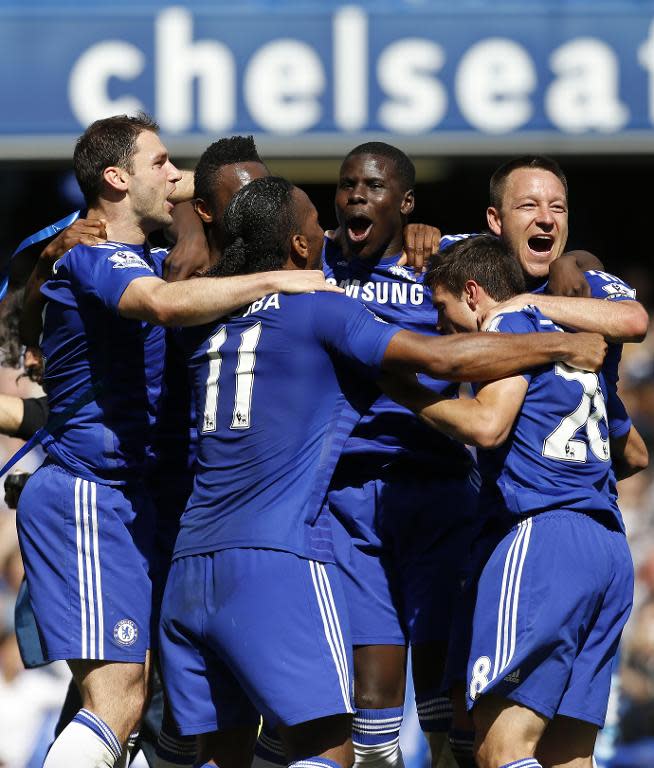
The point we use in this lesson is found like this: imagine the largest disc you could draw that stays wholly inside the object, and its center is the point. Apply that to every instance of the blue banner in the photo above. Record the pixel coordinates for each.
(310, 82)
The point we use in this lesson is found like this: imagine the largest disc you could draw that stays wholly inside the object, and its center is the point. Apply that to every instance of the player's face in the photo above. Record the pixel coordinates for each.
(151, 182)
(371, 206)
(454, 314)
(309, 226)
(231, 178)
(533, 219)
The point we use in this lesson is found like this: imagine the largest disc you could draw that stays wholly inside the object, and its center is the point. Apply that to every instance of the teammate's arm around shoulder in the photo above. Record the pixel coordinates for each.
(203, 299)
(488, 356)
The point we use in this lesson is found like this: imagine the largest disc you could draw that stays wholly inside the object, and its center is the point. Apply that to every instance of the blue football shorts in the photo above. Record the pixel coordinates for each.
(86, 549)
(402, 583)
(249, 632)
(551, 604)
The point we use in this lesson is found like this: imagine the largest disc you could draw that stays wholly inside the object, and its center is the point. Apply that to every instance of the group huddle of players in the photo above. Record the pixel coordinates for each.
(288, 457)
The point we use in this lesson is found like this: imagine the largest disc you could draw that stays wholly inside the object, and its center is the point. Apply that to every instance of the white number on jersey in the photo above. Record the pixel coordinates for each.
(560, 444)
(244, 378)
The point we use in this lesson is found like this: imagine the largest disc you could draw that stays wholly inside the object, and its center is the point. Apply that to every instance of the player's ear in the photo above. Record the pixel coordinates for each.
(299, 250)
(116, 177)
(494, 220)
(202, 210)
(471, 293)
(408, 203)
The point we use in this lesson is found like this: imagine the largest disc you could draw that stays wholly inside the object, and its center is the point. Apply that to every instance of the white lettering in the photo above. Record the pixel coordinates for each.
(405, 71)
(350, 56)
(283, 83)
(417, 294)
(273, 302)
(352, 288)
(368, 292)
(585, 94)
(179, 62)
(493, 83)
(399, 293)
(90, 76)
(382, 293)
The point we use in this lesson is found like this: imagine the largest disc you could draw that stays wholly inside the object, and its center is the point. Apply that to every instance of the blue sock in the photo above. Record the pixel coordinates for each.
(526, 762)
(376, 726)
(434, 711)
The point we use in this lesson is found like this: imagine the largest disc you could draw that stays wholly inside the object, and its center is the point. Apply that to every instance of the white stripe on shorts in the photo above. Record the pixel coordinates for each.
(507, 614)
(80, 566)
(98, 580)
(332, 628)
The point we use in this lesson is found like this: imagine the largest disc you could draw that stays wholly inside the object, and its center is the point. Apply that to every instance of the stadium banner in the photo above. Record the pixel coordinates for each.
(493, 79)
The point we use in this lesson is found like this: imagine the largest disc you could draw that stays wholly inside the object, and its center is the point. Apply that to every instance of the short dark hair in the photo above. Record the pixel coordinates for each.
(406, 170)
(107, 142)
(235, 149)
(498, 179)
(259, 222)
(482, 258)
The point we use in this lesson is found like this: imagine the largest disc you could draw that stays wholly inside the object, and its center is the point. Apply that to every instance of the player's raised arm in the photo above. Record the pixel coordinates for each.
(617, 321)
(483, 357)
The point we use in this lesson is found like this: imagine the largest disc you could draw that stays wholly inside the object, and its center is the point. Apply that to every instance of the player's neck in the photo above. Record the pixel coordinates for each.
(483, 307)
(391, 248)
(120, 225)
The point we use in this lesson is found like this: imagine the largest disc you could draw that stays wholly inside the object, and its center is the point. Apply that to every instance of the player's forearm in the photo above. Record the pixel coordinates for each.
(629, 454)
(466, 420)
(488, 356)
(11, 414)
(617, 321)
(202, 300)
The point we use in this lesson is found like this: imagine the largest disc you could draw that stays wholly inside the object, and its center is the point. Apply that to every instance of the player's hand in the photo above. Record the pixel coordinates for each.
(420, 244)
(566, 278)
(80, 232)
(586, 351)
(301, 281)
(514, 304)
(190, 255)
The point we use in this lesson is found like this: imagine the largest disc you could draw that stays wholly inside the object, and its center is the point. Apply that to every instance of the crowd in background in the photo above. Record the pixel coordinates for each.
(30, 700)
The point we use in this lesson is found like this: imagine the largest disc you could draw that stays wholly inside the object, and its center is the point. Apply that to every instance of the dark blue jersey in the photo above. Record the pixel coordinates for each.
(557, 455)
(389, 431)
(276, 400)
(102, 370)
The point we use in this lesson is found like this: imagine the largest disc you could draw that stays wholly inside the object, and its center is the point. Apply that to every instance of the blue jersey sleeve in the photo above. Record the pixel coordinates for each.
(525, 321)
(606, 286)
(346, 326)
(106, 272)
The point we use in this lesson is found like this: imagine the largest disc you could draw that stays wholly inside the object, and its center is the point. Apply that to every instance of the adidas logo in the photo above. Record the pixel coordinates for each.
(514, 677)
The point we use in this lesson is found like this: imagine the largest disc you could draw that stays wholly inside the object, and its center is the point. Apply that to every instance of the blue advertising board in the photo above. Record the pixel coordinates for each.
(311, 79)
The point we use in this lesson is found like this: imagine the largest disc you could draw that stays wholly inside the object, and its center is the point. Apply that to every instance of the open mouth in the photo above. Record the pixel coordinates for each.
(358, 228)
(541, 244)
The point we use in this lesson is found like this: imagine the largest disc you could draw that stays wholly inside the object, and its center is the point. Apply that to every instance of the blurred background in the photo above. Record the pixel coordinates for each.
(459, 86)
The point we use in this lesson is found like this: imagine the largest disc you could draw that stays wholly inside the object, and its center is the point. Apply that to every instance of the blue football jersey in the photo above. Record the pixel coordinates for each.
(389, 430)
(557, 455)
(276, 399)
(606, 286)
(102, 371)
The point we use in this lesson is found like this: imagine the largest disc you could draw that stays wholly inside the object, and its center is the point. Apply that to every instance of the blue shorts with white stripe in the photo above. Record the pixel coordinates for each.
(254, 631)
(551, 604)
(86, 549)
